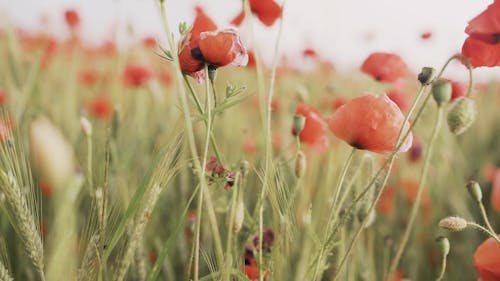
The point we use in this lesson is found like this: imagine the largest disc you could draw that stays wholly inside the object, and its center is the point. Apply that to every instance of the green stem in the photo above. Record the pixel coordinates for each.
(482, 228)
(421, 186)
(485, 217)
(89, 162)
(340, 182)
(443, 268)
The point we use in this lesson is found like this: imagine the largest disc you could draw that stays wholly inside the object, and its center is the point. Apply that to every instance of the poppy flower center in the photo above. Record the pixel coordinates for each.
(196, 54)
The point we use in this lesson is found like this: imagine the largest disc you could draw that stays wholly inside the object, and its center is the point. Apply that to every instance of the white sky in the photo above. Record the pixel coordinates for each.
(337, 29)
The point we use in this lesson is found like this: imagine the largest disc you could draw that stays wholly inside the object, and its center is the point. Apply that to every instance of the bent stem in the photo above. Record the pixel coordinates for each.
(482, 228)
(416, 204)
(443, 268)
(485, 217)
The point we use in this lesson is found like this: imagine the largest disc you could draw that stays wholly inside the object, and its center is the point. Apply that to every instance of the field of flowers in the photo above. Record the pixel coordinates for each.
(194, 160)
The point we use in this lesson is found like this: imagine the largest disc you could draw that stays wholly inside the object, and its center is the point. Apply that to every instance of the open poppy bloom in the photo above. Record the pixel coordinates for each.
(487, 260)
(385, 67)
(482, 47)
(400, 98)
(136, 75)
(72, 18)
(207, 45)
(268, 11)
(370, 122)
(314, 132)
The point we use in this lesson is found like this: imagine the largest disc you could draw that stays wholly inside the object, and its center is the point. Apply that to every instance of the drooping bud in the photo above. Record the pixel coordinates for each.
(444, 245)
(86, 126)
(461, 115)
(426, 75)
(300, 164)
(298, 124)
(475, 190)
(453, 224)
(441, 91)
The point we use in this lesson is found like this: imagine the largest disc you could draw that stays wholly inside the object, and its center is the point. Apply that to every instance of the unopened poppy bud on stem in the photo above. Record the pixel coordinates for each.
(441, 91)
(454, 224)
(244, 167)
(426, 75)
(300, 164)
(461, 115)
(444, 245)
(239, 216)
(475, 190)
(298, 123)
(86, 126)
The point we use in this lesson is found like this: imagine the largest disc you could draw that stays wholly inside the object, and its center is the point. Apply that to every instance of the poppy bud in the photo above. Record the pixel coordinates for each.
(300, 164)
(298, 124)
(441, 91)
(453, 224)
(444, 245)
(86, 126)
(426, 75)
(461, 115)
(239, 216)
(475, 190)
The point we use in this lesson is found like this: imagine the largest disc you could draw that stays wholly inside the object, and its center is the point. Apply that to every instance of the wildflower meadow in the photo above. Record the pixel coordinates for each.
(193, 158)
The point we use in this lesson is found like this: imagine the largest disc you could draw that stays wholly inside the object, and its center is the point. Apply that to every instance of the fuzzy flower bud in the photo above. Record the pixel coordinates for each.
(441, 91)
(244, 167)
(426, 75)
(444, 245)
(454, 224)
(461, 115)
(475, 190)
(300, 164)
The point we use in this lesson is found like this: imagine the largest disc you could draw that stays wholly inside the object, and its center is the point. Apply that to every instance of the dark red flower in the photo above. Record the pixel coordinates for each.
(315, 128)
(482, 47)
(385, 67)
(487, 260)
(72, 18)
(136, 75)
(100, 107)
(268, 11)
(370, 122)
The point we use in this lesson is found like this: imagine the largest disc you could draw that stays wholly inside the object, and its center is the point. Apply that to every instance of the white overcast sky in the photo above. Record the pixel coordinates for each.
(337, 29)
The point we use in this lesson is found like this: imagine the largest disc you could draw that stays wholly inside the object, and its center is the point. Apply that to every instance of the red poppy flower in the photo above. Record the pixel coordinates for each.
(495, 191)
(100, 107)
(385, 67)
(315, 128)
(426, 35)
(166, 78)
(268, 11)
(338, 102)
(370, 122)
(72, 18)
(149, 42)
(202, 23)
(3, 96)
(309, 52)
(88, 77)
(482, 47)
(222, 47)
(458, 90)
(136, 75)
(487, 260)
(401, 99)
